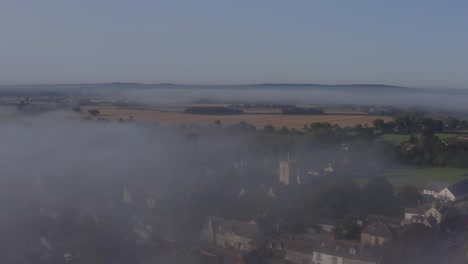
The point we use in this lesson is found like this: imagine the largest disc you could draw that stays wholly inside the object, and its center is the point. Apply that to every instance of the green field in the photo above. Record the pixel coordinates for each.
(397, 138)
(419, 176)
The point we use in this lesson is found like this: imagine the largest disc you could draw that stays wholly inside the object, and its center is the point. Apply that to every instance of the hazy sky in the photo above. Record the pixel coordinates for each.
(413, 43)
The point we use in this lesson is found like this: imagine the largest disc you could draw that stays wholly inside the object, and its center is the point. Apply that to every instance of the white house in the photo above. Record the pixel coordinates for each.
(342, 252)
(411, 214)
(433, 188)
(455, 192)
(428, 214)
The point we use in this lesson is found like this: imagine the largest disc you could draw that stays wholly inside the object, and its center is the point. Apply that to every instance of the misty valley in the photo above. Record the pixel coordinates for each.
(133, 173)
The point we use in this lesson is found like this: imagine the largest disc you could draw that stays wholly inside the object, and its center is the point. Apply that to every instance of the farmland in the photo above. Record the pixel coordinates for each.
(174, 116)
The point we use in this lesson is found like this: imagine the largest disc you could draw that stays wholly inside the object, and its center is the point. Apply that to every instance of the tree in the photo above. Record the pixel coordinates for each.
(297, 227)
(254, 257)
(409, 195)
(335, 199)
(283, 131)
(413, 139)
(269, 129)
(94, 112)
(379, 124)
(77, 109)
(347, 230)
(379, 195)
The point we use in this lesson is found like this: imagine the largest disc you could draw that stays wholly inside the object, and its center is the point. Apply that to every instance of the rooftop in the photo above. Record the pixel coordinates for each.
(459, 189)
(223, 226)
(418, 211)
(435, 186)
(345, 250)
(378, 230)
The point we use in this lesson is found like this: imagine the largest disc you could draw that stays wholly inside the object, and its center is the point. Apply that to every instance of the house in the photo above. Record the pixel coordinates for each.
(343, 252)
(428, 214)
(320, 249)
(391, 222)
(326, 225)
(376, 234)
(293, 172)
(433, 188)
(291, 250)
(298, 251)
(455, 192)
(437, 211)
(277, 247)
(231, 234)
(412, 214)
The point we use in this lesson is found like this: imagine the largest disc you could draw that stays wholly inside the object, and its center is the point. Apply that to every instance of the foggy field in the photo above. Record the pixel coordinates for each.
(419, 176)
(259, 120)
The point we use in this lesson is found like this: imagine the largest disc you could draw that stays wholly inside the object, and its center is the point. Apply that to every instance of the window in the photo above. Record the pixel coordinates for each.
(334, 259)
(319, 256)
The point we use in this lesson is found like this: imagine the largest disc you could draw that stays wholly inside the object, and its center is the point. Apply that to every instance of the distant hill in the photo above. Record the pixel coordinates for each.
(122, 86)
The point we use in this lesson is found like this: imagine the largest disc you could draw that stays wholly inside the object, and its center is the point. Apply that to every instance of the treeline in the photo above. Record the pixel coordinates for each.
(263, 105)
(428, 149)
(411, 122)
(301, 111)
(213, 110)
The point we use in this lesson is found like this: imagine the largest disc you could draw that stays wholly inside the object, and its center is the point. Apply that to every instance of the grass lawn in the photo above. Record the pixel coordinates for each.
(446, 136)
(419, 176)
(397, 138)
(174, 258)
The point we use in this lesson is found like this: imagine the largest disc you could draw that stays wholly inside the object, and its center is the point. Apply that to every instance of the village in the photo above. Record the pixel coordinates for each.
(321, 194)
(440, 218)
(432, 231)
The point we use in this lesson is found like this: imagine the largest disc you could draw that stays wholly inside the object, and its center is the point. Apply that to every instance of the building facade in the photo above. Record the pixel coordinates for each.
(231, 234)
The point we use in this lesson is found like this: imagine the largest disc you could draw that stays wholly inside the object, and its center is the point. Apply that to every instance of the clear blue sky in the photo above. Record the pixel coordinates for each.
(413, 43)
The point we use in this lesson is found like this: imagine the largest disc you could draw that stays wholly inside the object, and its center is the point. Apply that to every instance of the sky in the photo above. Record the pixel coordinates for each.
(409, 43)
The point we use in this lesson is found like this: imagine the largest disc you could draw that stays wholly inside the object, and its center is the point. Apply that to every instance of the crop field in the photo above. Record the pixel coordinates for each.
(168, 116)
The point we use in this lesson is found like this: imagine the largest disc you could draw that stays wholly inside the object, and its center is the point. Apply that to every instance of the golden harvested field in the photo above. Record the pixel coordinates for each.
(259, 120)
